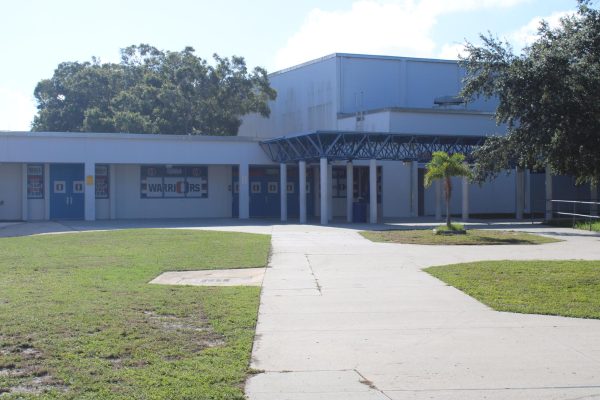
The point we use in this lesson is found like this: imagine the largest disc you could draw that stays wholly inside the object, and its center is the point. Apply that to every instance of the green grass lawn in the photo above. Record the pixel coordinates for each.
(472, 237)
(568, 288)
(78, 319)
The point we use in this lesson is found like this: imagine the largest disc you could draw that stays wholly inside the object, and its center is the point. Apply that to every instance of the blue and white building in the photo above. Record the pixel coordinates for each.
(348, 138)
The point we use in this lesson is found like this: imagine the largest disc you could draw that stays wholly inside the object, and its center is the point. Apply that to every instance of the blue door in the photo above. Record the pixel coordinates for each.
(265, 192)
(67, 189)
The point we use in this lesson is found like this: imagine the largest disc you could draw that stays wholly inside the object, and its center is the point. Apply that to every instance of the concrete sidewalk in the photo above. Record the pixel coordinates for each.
(344, 318)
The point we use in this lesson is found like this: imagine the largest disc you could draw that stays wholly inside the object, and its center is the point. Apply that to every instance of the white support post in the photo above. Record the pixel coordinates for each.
(373, 191)
(324, 183)
(349, 190)
(330, 192)
(414, 189)
(244, 195)
(438, 199)
(594, 198)
(548, 215)
(112, 190)
(283, 190)
(520, 193)
(47, 192)
(302, 190)
(90, 191)
(24, 201)
(465, 198)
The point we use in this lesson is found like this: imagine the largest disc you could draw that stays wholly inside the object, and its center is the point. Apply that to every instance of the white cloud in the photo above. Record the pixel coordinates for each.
(527, 34)
(16, 110)
(391, 27)
(452, 51)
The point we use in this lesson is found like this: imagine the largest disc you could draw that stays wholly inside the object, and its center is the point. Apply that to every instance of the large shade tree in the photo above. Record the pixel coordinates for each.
(152, 91)
(549, 97)
(444, 166)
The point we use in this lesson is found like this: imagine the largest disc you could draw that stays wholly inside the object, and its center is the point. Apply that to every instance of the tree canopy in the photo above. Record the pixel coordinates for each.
(152, 91)
(549, 97)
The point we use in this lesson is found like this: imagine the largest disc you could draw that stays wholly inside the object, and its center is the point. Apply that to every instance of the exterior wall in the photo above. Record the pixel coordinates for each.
(496, 197)
(444, 123)
(11, 188)
(128, 149)
(428, 122)
(306, 101)
(325, 94)
(396, 195)
(129, 203)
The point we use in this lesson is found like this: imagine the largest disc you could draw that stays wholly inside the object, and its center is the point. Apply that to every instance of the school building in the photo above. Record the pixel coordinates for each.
(348, 138)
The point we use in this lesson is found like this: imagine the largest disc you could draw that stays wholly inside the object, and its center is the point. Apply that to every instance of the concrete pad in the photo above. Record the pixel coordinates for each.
(214, 277)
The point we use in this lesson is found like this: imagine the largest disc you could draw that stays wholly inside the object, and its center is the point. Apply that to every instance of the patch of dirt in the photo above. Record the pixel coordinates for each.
(39, 385)
(33, 378)
(205, 337)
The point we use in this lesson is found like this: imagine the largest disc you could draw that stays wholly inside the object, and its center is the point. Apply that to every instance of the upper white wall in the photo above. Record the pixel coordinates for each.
(128, 149)
(306, 101)
(319, 95)
(432, 122)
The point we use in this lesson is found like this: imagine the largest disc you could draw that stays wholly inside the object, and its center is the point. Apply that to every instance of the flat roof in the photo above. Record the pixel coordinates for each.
(363, 56)
(137, 136)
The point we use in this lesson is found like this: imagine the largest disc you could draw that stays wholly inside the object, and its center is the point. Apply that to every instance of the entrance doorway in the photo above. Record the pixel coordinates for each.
(67, 189)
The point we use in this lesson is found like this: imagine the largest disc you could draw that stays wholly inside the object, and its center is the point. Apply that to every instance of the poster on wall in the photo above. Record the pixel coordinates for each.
(102, 184)
(35, 181)
(174, 182)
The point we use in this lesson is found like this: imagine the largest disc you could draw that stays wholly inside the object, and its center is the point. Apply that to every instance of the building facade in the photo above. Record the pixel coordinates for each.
(356, 100)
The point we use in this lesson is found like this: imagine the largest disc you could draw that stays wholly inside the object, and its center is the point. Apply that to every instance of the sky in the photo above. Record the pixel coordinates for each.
(37, 35)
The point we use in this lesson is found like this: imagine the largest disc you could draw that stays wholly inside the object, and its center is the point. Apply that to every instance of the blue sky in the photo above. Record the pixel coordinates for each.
(39, 34)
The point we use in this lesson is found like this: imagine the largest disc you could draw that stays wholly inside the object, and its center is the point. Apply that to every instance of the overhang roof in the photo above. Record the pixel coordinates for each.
(341, 145)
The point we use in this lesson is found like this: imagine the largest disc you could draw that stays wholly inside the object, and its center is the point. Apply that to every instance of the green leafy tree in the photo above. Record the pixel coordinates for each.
(548, 97)
(444, 166)
(152, 91)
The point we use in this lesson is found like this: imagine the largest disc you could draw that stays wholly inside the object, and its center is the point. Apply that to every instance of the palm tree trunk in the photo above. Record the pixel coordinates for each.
(448, 193)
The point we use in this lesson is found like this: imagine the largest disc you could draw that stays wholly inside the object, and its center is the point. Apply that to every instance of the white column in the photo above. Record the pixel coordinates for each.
(47, 191)
(465, 198)
(24, 201)
(520, 193)
(438, 199)
(283, 190)
(548, 215)
(112, 190)
(594, 197)
(244, 195)
(330, 192)
(349, 190)
(302, 190)
(373, 191)
(324, 182)
(414, 189)
(527, 184)
(90, 191)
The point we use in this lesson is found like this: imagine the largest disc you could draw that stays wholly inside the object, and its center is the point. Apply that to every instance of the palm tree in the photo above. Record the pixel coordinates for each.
(444, 166)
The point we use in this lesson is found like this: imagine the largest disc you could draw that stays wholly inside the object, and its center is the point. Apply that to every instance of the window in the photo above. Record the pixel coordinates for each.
(35, 181)
(174, 181)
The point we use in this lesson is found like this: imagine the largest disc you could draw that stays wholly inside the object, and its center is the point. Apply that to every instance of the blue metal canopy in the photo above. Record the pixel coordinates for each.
(340, 145)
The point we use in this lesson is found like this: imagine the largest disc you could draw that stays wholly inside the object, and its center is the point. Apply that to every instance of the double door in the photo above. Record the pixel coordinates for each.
(67, 189)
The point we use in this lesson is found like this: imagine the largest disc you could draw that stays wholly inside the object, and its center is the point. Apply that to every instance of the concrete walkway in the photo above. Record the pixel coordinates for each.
(345, 318)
